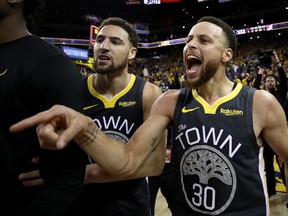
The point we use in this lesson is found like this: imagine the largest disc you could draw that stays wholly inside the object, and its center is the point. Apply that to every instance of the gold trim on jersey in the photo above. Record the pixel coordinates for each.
(109, 103)
(4, 72)
(211, 109)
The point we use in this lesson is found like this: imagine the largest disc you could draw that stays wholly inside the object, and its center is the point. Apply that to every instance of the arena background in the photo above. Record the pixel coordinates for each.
(162, 26)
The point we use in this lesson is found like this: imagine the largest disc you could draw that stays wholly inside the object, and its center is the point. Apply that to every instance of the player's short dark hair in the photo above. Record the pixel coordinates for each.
(133, 36)
(227, 29)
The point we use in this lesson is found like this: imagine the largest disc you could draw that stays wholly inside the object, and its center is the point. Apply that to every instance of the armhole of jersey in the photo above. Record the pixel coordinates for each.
(181, 101)
(140, 83)
(249, 110)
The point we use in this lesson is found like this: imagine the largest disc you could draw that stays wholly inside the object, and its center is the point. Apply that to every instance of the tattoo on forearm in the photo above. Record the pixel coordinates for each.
(154, 141)
(90, 134)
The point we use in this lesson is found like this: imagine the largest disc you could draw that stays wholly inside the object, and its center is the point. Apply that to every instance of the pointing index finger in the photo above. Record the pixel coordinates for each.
(42, 117)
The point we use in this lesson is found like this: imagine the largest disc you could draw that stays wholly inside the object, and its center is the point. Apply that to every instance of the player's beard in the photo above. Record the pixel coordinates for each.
(205, 75)
(111, 68)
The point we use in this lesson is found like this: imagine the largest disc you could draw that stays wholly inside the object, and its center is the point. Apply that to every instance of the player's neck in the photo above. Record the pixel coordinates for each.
(211, 93)
(12, 31)
(110, 85)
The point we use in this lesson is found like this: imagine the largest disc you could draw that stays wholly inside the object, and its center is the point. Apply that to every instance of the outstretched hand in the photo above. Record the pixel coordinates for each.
(56, 126)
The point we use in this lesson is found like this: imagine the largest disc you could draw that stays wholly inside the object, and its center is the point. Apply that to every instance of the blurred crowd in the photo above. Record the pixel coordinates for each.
(161, 65)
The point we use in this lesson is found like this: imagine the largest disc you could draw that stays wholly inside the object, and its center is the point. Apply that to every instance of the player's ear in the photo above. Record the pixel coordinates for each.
(132, 53)
(227, 55)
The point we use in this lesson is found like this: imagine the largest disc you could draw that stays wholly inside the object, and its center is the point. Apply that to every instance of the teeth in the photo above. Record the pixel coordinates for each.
(191, 57)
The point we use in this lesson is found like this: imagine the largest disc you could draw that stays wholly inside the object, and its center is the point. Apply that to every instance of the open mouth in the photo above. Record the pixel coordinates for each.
(193, 63)
(103, 57)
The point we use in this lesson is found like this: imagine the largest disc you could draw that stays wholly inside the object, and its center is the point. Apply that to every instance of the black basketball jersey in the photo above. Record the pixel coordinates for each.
(218, 163)
(118, 118)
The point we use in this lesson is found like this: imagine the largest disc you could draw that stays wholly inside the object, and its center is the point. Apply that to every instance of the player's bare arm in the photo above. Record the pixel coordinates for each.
(60, 124)
(270, 124)
(144, 141)
(94, 174)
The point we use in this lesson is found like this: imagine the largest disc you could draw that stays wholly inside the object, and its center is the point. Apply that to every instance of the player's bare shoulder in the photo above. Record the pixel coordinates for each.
(150, 93)
(264, 105)
(151, 88)
(170, 97)
(167, 102)
(171, 94)
(263, 99)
